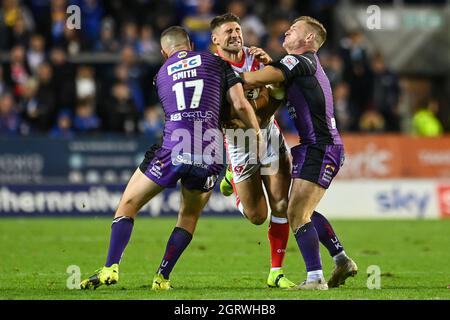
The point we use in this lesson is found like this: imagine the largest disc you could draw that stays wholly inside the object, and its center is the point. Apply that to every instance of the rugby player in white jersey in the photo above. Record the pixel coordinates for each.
(246, 177)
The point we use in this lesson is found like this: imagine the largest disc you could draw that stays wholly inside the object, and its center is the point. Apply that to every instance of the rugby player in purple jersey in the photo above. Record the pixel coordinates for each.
(195, 89)
(320, 154)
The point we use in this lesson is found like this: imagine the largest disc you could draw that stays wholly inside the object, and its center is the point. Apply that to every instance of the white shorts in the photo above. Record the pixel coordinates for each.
(244, 165)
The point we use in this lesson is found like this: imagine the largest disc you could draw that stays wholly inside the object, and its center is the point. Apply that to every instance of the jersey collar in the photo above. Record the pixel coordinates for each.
(233, 63)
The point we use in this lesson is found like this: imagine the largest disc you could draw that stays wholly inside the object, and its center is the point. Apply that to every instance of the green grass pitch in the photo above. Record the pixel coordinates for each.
(228, 258)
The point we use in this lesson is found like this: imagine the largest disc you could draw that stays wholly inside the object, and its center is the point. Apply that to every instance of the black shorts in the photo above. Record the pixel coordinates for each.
(317, 163)
(159, 166)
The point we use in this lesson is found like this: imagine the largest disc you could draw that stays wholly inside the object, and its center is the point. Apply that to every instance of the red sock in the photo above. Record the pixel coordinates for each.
(278, 236)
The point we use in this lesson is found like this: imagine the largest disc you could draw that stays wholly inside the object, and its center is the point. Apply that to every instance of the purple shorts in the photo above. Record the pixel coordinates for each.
(317, 163)
(159, 166)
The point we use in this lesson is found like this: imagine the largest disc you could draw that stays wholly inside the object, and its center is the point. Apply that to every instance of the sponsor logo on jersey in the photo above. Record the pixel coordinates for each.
(186, 64)
(181, 54)
(210, 181)
(291, 111)
(175, 117)
(186, 158)
(159, 163)
(192, 116)
(182, 159)
(289, 61)
(156, 169)
(333, 123)
(328, 173)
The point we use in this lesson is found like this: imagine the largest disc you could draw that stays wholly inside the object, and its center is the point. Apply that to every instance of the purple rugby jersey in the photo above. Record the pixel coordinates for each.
(320, 154)
(309, 99)
(192, 88)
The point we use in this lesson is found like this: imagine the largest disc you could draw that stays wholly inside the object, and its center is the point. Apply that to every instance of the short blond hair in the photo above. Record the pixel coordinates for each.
(317, 27)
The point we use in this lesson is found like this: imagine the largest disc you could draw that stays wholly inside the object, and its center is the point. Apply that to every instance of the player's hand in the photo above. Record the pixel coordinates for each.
(236, 124)
(261, 55)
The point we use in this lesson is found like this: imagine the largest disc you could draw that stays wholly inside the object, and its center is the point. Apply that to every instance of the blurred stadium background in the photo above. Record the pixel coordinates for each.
(78, 108)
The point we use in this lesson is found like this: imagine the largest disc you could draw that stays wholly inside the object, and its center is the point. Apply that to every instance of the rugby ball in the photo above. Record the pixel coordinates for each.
(252, 94)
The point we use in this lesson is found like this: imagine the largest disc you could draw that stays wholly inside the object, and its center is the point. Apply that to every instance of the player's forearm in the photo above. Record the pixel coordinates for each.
(251, 80)
(262, 77)
(241, 107)
(246, 113)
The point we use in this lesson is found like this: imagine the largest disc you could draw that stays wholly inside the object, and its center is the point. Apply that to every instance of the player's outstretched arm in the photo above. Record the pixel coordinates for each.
(269, 100)
(262, 77)
(242, 107)
(245, 112)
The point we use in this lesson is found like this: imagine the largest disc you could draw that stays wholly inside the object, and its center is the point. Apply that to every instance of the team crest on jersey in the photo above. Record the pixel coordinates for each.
(182, 54)
(186, 64)
(290, 61)
(238, 170)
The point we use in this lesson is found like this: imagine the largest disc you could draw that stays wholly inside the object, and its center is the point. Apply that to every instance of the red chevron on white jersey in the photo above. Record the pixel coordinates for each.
(247, 63)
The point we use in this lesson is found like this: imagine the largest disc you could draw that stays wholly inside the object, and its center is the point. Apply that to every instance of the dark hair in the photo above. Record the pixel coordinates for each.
(175, 30)
(224, 18)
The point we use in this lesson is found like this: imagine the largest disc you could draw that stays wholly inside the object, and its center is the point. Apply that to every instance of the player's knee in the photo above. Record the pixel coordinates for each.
(256, 219)
(280, 207)
(129, 205)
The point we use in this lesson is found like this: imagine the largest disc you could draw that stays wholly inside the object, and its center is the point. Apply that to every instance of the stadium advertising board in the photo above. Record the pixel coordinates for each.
(364, 199)
(104, 160)
(81, 177)
(396, 157)
(90, 200)
(444, 200)
(384, 199)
